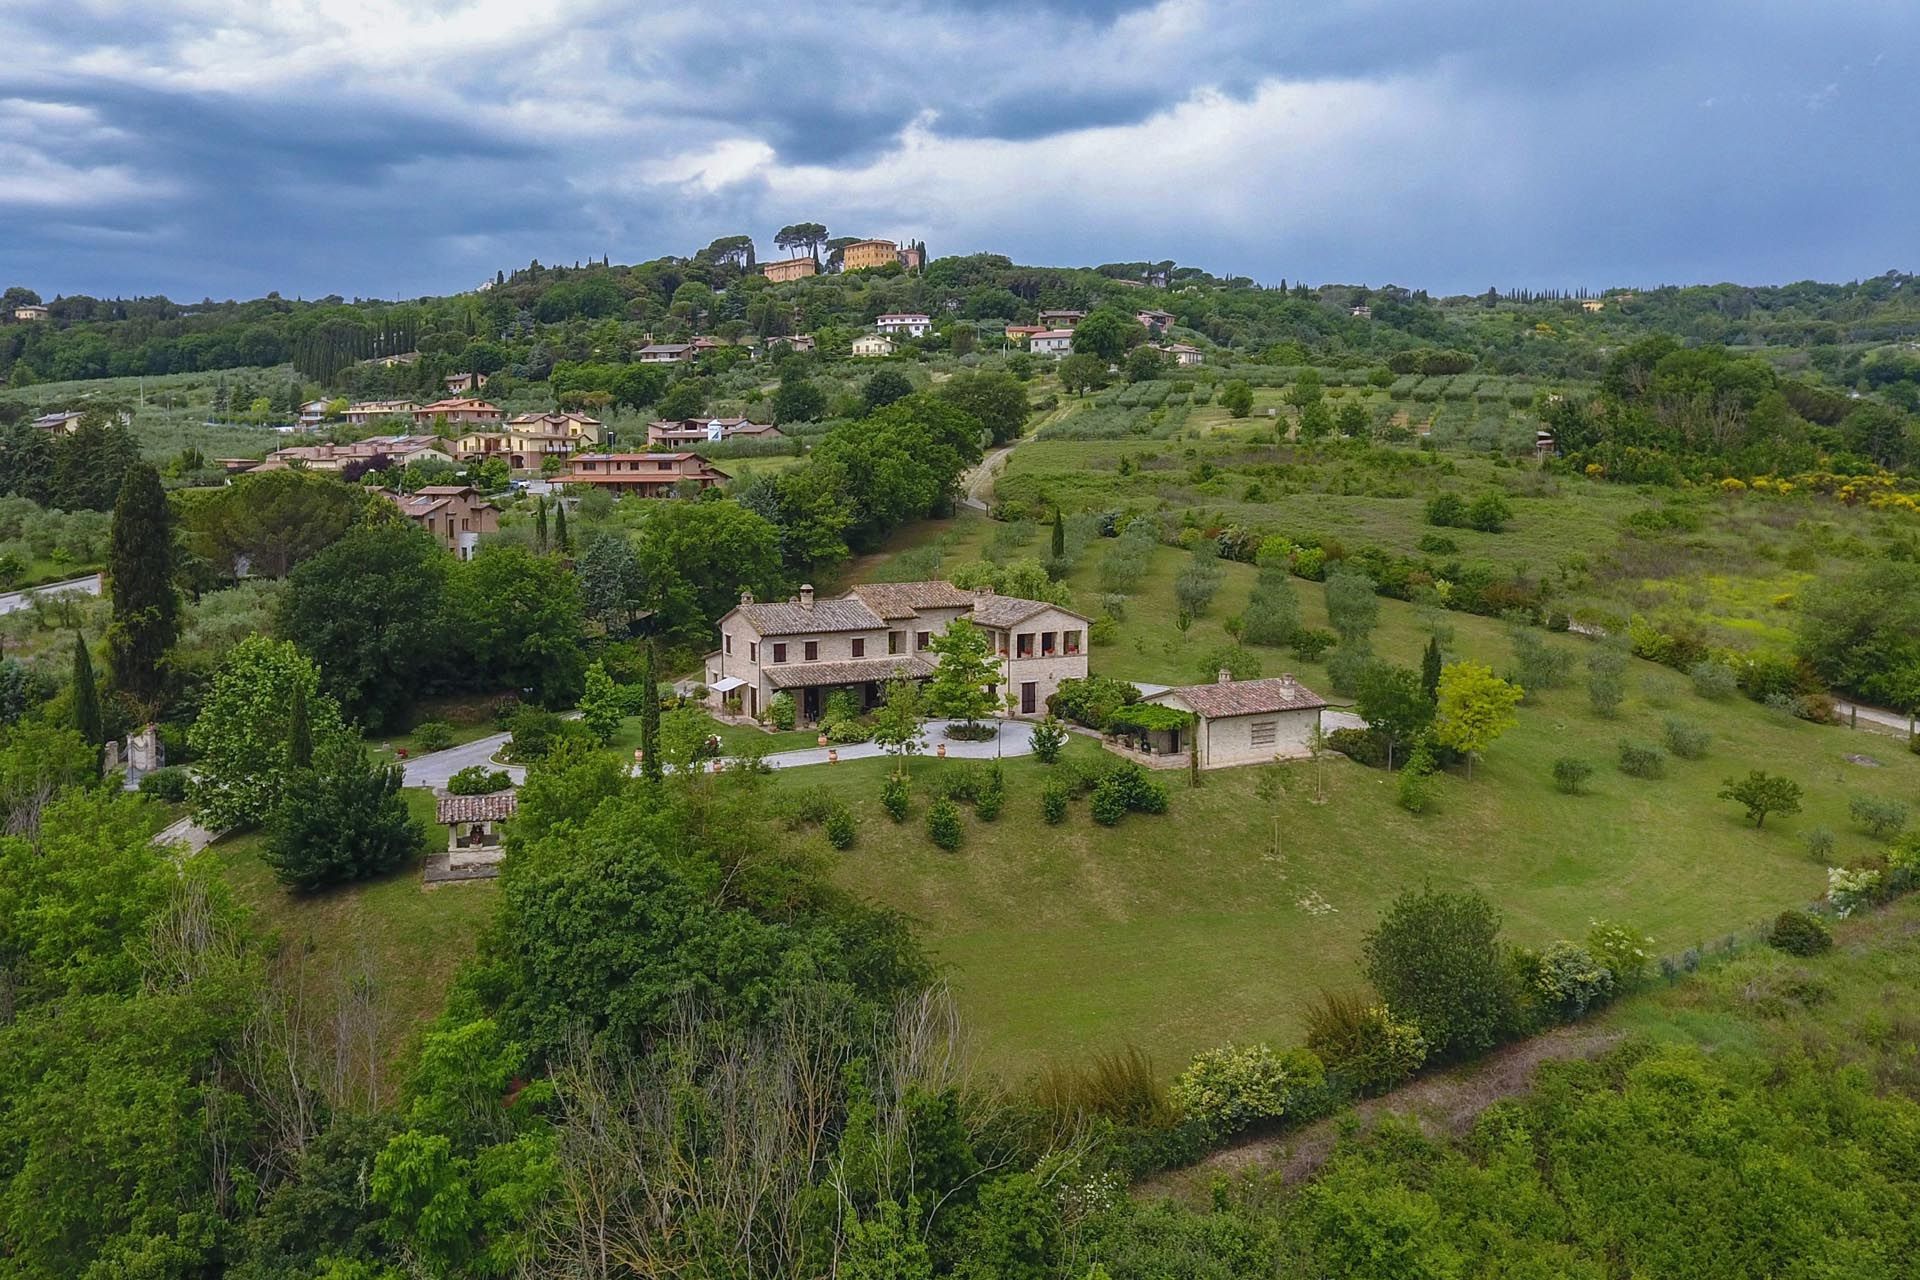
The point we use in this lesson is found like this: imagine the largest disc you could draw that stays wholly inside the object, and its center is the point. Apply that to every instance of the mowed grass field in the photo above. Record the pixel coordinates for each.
(1189, 930)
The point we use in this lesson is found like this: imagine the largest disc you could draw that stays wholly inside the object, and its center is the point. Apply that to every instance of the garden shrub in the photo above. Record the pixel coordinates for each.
(1363, 1043)
(1109, 804)
(943, 824)
(1447, 510)
(972, 731)
(433, 735)
(1053, 802)
(168, 784)
(1642, 760)
(992, 795)
(1687, 740)
(1883, 819)
(1800, 933)
(839, 828)
(1049, 739)
(478, 780)
(1570, 774)
(1231, 1087)
(533, 732)
(844, 732)
(1362, 746)
(1415, 790)
(1489, 513)
(1849, 889)
(1819, 842)
(780, 711)
(1626, 954)
(1568, 981)
(1438, 544)
(893, 798)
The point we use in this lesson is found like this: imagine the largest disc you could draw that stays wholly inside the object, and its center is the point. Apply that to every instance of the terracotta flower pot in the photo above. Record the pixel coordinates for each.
(941, 751)
(833, 755)
(823, 739)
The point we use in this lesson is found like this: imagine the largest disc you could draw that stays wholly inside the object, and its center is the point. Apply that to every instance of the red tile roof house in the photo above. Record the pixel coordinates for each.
(458, 412)
(651, 475)
(1240, 721)
(1051, 342)
(709, 431)
(400, 450)
(455, 514)
(880, 632)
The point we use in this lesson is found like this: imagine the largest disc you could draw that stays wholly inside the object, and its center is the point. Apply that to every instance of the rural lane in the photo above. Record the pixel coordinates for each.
(13, 601)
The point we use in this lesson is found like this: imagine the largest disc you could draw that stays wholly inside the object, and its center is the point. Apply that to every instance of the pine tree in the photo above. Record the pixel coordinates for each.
(1059, 536)
(649, 717)
(86, 694)
(146, 609)
(1430, 669)
(562, 541)
(300, 731)
(540, 526)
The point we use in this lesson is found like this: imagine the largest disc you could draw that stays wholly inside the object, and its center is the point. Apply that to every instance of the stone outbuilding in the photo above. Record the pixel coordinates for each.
(473, 826)
(1244, 721)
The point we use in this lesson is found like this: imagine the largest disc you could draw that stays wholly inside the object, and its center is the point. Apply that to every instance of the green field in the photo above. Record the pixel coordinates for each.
(1185, 931)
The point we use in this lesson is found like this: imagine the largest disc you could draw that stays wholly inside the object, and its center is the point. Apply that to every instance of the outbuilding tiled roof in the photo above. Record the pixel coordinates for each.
(903, 599)
(1245, 697)
(803, 675)
(497, 807)
(1007, 611)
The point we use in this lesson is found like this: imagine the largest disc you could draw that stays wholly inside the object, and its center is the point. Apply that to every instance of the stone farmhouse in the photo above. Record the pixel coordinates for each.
(1241, 721)
(880, 632)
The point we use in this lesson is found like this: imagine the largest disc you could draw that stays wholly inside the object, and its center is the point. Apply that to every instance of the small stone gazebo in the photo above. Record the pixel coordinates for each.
(473, 836)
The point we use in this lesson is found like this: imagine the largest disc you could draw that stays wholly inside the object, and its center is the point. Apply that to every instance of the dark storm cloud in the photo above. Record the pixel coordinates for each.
(197, 147)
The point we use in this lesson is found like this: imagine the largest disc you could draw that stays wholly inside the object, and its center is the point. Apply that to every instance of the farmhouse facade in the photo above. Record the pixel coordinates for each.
(881, 632)
(1242, 721)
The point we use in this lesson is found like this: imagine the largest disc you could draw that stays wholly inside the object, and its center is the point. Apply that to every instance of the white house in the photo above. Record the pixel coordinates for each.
(904, 324)
(1051, 342)
(872, 344)
(1183, 354)
(1244, 721)
(313, 413)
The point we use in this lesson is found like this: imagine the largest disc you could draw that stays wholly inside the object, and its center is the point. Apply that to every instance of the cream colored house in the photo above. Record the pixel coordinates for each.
(367, 412)
(862, 254)
(1242, 721)
(1183, 354)
(872, 344)
(528, 439)
(884, 631)
(789, 269)
(458, 412)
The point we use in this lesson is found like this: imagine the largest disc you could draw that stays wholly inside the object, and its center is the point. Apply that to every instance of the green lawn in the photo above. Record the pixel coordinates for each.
(733, 738)
(1180, 932)
(410, 940)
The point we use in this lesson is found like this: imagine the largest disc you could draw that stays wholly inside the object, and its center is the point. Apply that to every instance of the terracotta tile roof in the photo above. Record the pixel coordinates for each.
(903, 599)
(1245, 697)
(1050, 333)
(497, 807)
(802, 675)
(1006, 611)
(844, 614)
(461, 405)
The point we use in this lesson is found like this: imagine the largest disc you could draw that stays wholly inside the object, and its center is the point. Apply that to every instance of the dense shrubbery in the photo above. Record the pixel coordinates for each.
(1232, 1087)
(1800, 933)
(478, 780)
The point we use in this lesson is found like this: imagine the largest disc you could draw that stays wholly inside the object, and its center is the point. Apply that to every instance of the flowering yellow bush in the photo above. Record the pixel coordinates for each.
(1733, 484)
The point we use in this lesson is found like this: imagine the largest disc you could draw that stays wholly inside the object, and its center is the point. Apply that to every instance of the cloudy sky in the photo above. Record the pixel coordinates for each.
(231, 147)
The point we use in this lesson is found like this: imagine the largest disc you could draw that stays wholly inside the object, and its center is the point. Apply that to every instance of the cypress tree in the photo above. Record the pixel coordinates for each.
(146, 609)
(86, 694)
(649, 717)
(1059, 536)
(300, 731)
(1430, 669)
(540, 526)
(561, 541)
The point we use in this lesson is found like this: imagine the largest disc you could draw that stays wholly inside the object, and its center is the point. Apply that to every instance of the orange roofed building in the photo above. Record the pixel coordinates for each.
(458, 412)
(651, 475)
(455, 514)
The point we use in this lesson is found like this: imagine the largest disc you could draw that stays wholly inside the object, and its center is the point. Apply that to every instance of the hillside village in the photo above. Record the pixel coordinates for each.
(1224, 711)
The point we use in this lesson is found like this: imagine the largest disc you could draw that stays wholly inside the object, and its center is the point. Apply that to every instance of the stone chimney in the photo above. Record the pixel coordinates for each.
(1226, 676)
(746, 597)
(806, 595)
(984, 591)
(1287, 680)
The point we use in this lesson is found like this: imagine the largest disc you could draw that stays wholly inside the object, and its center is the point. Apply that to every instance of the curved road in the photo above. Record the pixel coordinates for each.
(14, 601)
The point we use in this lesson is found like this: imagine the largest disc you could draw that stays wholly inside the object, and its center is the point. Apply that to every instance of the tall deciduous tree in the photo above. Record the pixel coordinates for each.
(1436, 958)
(146, 608)
(1474, 708)
(959, 685)
(242, 739)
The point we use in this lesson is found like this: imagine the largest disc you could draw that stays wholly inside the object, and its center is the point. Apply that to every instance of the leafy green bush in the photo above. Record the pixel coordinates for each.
(1883, 819)
(1127, 787)
(1438, 544)
(1626, 954)
(1489, 513)
(1414, 793)
(1053, 803)
(1715, 681)
(433, 735)
(1570, 774)
(1642, 760)
(1447, 510)
(1308, 643)
(992, 796)
(843, 732)
(1568, 981)
(1799, 933)
(1436, 957)
(978, 731)
(893, 798)
(1362, 746)
(780, 711)
(1362, 1042)
(839, 828)
(1049, 739)
(1687, 740)
(478, 780)
(1231, 1087)
(169, 784)
(1108, 805)
(943, 824)
(1819, 842)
